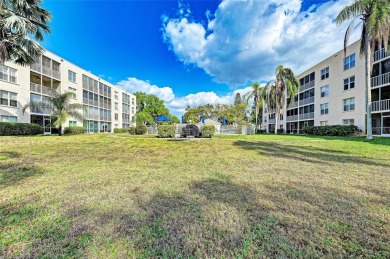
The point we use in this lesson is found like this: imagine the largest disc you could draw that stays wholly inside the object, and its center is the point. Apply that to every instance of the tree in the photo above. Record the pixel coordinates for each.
(374, 16)
(143, 118)
(275, 91)
(20, 19)
(60, 107)
(257, 94)
(237, 99)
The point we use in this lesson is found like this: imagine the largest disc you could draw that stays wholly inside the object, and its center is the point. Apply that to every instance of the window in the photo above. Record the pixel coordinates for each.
(281, 117)
(72, 123)
(8, 74)
(349, 62)
(8, 98)
(349, 83)
(324, 73)
(116, 106)
(325, 91)
(349, 122)
(116, 116)
(72, 90)
(323, 123)
(71, 76)
(324, 108)
(349, 104)
(4, 118)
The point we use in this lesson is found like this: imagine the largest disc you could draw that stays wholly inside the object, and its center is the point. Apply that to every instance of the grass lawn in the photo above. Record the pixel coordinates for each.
(113, 196)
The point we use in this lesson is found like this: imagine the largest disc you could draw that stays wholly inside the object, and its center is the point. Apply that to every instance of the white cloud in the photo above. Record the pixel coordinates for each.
(245, 40)
(177, 105)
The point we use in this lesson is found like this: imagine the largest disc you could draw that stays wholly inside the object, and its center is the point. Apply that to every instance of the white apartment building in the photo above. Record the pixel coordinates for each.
(333, 93)
(107, 107)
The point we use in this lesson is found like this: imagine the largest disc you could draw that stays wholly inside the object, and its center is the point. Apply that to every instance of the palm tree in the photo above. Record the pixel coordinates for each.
(275, 91)
(20, 19)
(256, 93)
(374, 16)
(60, 107)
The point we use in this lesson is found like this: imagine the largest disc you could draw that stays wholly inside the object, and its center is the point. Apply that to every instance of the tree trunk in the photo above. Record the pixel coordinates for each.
(257, 115)
(60, 130)
(277, 115)
(368, 87)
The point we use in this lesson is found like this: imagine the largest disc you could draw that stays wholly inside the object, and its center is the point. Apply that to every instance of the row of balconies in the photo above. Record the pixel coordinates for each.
(382, 105)
(95, 89)
(40, 89)
(97, 117)
(380, 54)
(96, 103)
(307, 86)
(301, 102)
(305, 116)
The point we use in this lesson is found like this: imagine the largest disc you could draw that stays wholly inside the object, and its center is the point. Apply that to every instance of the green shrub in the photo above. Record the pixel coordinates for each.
(261, 131)
(13, 129)
(334, 130)
(121, 130)
(280, 131)
(166, 131)
(74, 130)
(208, 131)
(132, 130)
(141, 130)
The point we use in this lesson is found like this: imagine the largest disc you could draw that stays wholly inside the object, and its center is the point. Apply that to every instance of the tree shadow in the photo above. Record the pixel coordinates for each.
(307, 154)
(14, 168)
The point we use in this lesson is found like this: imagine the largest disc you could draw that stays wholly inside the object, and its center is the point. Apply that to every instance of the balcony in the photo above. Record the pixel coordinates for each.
(90, 102)
(292, 105)
(378, 106)
(56, 74)
(91, 117)
(36, 88)
(381, 131)
(306, 86)
(36, 67)
(292, 118)
(380, 54)
(306, 116)
(306, 101)
(380, 80)
(271, 121)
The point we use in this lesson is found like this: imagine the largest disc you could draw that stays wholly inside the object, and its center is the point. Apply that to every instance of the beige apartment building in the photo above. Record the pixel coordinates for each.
(106, 106)
(333, 93)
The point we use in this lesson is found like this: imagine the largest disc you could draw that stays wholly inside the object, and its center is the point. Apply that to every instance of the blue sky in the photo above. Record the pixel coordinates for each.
(192, 52)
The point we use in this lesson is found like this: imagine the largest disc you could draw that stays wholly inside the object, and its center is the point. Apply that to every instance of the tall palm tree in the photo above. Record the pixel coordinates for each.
(256, 93)
(60, 107)
(285, 83)
(20, 19)
(374, 16)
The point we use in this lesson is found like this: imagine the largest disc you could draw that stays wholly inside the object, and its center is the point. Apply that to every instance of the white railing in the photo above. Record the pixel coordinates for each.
(92, 117)
(40, 89)
(46, 70)
(383, 105)
(380, 54)
(36, 67)
(306, 86)
(380, 80)
(306, 116)
(292, 118)
(306, 101)
(292, 105)
(271, 121)
(56, 74)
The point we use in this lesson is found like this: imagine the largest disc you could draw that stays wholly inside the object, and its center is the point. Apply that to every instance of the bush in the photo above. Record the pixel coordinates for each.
(74, 130)
(166, 131)
(121, 130)
(334, 130)
(132, 130)
(141, 130)
(13, 129)
(261, 131)
(208, 131)
(280, 131)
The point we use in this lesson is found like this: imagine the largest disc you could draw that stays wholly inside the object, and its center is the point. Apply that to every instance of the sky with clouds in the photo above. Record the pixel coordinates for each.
(194, 52)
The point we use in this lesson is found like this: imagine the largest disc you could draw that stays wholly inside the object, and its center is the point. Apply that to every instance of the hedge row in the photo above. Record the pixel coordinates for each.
(139, 130)
(334, 130)
(12, 129)
(166, 131)
(121, 130)
(74, 130)
(208, 131)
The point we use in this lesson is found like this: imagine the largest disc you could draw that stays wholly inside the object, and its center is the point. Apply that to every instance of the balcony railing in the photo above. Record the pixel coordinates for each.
(383, 105)
(380, 54)
(36, 67)
(292, 118)
(306, 86)
(56, 74)
(271, 121)
(40, 89)
(306, 101)
(292, 105)
(380, 80)
(91, 117)
(306, 116)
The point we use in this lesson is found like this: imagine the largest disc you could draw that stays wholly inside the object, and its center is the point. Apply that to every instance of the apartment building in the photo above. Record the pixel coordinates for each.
(333, 93)
(106, 106)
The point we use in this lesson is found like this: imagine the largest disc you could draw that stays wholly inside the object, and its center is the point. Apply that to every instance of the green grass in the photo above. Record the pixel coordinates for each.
(113, 196)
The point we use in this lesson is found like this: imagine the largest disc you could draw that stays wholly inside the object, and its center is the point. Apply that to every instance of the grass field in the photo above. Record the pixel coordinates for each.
(113, 196)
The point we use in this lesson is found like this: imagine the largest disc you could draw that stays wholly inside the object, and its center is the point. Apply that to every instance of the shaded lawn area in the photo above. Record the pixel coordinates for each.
(232, 196)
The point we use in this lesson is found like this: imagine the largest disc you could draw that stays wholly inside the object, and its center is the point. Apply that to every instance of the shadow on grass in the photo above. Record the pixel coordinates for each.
(213, 218)
(13, 168)
(306, 153)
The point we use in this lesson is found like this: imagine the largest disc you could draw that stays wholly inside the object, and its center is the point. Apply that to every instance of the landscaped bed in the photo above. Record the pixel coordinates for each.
(232, 196)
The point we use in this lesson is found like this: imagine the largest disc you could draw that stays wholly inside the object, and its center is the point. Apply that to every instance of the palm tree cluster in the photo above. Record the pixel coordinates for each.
(19, 21)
